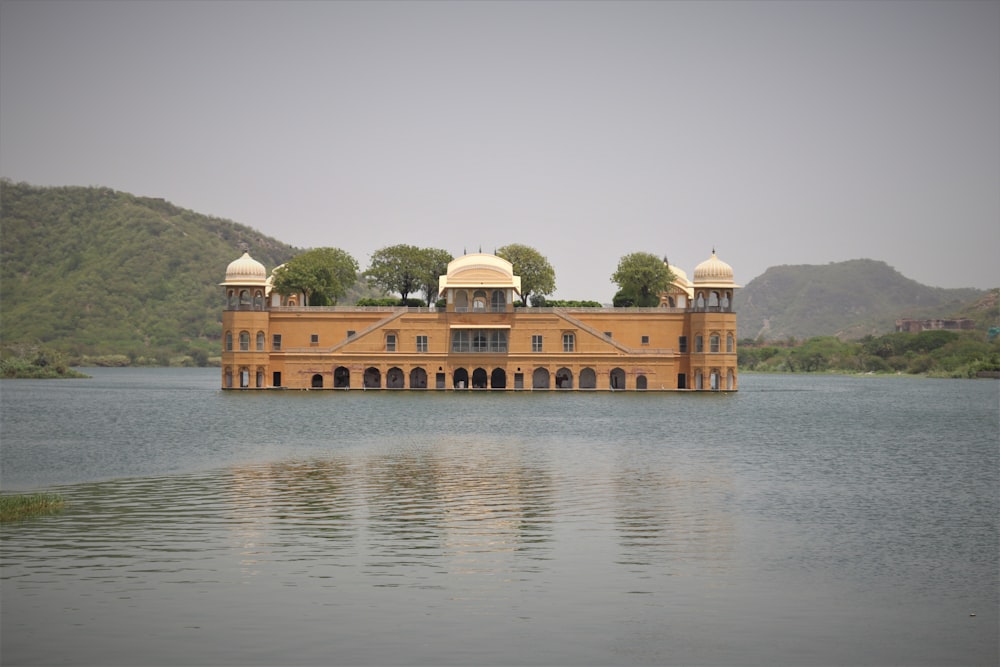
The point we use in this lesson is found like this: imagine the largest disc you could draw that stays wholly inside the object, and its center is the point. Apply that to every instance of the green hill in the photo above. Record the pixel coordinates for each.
(91, 271)
(843, 299)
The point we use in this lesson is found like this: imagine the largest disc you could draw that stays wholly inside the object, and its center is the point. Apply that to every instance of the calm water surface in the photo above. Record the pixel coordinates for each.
(802, 521)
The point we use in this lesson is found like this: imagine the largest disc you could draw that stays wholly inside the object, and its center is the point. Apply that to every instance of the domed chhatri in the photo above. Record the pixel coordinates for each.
(479, 337)
(714, 270)
(245, 271)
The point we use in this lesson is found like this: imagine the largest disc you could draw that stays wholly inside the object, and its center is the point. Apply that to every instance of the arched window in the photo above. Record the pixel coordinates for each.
(232, 299)
(229, 341)
(640, 382)
(260, 341)
(480, 341)
(258, 300)
(540, 378)
(229, 377)
(713, 343)
(479, 301)
(244, 298)
(317, 381)
(588, 379)
(713, 299)
(244, 341)
(461, 301)
(498, 302)
(564, 378)
(394, 378)
(569, 342)
(341, 377)
(418, 378)
(617, 379)
(699, 343)
(730, 343)
(260, 378)
(373, 378)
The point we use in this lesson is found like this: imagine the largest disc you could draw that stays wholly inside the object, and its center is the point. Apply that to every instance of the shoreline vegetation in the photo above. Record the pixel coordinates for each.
(934, 353)
(20, 506)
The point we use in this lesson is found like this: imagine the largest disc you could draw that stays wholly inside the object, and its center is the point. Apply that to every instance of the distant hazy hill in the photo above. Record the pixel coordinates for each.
(845, 299)
(94, 271)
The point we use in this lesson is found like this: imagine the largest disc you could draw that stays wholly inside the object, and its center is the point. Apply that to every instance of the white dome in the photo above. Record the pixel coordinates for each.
(680, 275)
(245, 271)
(480, 270)
(713, 270)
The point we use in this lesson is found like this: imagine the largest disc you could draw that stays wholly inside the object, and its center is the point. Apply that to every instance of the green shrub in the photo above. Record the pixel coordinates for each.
(14, 507)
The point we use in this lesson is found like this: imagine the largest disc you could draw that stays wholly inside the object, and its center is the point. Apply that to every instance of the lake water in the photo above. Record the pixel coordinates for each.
(806, 520)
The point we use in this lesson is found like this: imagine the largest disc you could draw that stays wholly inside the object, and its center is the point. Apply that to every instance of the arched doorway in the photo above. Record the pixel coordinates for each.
(564, 378)
(540, 378)
(341, 378)
(317, 381)
(394, 378)
(617, 379)
(730, 380)
(640, 382)
(588, 379)
(479, 378)
(460, 378)
(373, 378)
(498, 379)
(418, 378)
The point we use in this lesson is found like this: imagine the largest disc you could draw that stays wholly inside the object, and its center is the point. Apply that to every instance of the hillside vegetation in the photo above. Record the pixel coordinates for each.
(91, 272)
(848, 300)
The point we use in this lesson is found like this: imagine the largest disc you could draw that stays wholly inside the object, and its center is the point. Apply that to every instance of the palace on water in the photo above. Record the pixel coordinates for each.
(479, 340)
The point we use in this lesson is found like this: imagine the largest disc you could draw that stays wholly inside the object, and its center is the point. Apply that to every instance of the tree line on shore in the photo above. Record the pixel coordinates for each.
(935, 353)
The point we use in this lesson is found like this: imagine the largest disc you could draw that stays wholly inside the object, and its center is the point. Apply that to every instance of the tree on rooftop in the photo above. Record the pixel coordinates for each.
(434, 265)
(537, 276)
(323, 275)
(642, 277)
(397, 268)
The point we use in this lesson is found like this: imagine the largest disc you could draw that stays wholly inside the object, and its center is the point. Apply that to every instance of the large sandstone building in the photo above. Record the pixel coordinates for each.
(479, 340)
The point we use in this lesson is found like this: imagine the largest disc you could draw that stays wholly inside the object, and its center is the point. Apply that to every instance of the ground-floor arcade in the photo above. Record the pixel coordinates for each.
(480, 375)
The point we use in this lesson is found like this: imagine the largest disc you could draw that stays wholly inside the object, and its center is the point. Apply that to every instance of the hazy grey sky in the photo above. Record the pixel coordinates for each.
(776, 132)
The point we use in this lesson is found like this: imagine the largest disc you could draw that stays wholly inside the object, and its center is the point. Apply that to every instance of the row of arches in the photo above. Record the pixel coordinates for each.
(714, 341)
(477, 378)
(710, 379)
(713, 300)
(244, 341)
(714, 379)
(244, 299)
(480, 301)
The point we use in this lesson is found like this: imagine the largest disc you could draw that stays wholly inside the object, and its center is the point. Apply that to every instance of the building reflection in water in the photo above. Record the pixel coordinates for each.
(444, 509)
